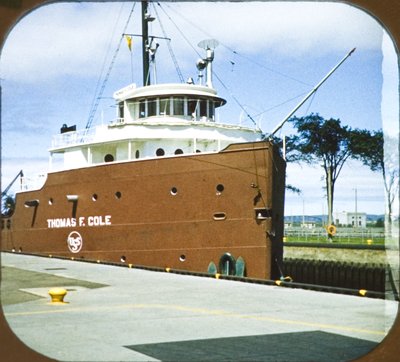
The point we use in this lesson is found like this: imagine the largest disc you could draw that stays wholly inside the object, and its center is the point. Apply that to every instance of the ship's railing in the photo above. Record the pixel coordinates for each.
(122, 121)
(73, 138)
(33, 182)
(118, 122)
(101, 133)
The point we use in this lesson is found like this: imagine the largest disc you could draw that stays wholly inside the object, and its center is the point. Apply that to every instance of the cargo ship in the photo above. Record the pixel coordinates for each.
(164, 184)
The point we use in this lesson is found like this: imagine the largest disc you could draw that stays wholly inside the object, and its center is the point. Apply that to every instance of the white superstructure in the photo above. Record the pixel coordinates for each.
(153, 121)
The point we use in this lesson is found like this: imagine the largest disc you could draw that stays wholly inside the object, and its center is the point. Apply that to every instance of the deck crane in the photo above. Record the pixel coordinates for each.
(7, 201)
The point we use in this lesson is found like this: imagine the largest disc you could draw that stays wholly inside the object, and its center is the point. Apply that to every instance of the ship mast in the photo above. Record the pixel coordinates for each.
(145, 44)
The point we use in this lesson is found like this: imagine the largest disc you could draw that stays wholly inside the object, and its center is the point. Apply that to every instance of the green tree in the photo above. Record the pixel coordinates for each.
(288, 157)
(380, 223)
(368, 146)
(322, 141)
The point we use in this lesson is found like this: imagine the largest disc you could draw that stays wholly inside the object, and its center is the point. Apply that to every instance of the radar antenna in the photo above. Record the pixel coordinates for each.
(208, 45)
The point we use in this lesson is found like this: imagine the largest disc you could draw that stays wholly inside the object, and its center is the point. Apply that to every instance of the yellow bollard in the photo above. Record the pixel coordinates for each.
(369, 241)
(57, 295)
(362, 292)
(217, 275)
(167, 270)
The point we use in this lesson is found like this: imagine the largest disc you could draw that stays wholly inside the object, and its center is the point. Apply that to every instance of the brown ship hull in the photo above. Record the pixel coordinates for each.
(178, 212)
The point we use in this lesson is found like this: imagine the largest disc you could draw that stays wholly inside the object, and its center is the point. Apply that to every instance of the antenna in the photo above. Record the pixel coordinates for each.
(208, 45)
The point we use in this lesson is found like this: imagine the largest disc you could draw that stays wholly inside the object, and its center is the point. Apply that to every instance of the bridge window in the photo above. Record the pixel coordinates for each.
(211, 110)
(193, 108)
(142, 108)
(165, 106)
(121, 110)
(203, 108)
(179, 109)
(152, 107)
(179, 106)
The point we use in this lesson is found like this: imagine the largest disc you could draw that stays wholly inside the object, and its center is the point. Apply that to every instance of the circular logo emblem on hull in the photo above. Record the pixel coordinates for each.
(74, 242)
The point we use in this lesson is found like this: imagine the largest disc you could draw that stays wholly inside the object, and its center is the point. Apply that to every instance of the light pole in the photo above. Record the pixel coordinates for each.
(355, 207)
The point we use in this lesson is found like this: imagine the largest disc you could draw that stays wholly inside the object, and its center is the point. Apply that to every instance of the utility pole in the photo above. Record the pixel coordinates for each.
(355, 206)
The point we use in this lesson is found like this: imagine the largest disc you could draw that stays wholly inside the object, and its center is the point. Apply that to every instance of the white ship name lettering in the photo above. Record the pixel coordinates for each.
(61, 223)
(69, 222)
(99, 220)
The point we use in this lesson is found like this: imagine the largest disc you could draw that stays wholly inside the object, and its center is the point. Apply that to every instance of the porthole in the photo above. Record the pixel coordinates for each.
(51, 201)
(218, 216)
(178, 151)
(174, 191)
(137, 154)
(182, 258)
(94, 197)
(263, 214)
(118, 195)
(198, 151)
(160, 152)
(108, 157)
(220, 188)
(123, 259)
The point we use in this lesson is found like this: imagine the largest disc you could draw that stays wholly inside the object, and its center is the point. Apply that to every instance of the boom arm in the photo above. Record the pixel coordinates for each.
(20, 173)
(279, 126)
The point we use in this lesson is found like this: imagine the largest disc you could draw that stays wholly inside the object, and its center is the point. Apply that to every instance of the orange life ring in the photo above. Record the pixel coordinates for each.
(331, 229)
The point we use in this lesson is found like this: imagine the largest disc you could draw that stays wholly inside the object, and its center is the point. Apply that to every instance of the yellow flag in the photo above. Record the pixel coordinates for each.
(129, 41)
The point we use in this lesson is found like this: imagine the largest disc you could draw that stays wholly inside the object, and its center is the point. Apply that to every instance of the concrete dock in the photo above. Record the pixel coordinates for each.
(125, 314)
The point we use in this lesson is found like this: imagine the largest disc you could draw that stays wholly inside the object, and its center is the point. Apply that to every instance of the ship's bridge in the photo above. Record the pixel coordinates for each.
(177, 101)
(152, 121)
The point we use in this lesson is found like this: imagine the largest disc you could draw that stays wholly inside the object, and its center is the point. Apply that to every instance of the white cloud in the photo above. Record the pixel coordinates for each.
(72, 37)
(59, 39)
(291, 28)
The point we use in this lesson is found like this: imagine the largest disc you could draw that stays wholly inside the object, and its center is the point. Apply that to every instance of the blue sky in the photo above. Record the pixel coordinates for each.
(269, 53)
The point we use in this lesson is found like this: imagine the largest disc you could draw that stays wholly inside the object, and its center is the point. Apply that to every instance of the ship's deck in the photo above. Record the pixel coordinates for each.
(122, 314)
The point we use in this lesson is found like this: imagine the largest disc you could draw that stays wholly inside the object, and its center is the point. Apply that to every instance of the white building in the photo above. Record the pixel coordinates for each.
(345, 218)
